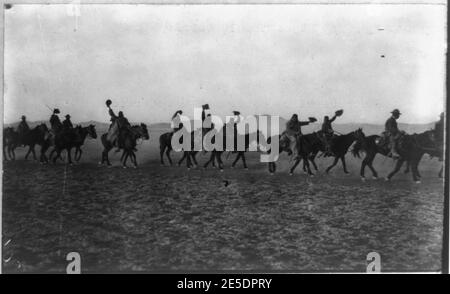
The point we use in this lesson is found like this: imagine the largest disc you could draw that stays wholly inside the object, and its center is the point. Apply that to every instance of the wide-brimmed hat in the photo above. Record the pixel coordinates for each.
(235, 112)
(396, 111)
(56, 110)
(205, 106)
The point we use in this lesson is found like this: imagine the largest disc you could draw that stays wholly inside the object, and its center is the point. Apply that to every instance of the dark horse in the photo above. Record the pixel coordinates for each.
(72, 138)
(340, 145)
(303, 145)
(411, 149)
(36, 136)
(83, 133)
(165, 146)
(10, 142)
(129, 139)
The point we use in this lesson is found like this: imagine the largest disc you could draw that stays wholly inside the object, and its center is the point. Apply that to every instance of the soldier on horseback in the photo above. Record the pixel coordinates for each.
(206, 117)
(392, 134)
(119, 125)
(23, 128)
(176, 121)
(327, 130)
(293, 132)
(67, 124)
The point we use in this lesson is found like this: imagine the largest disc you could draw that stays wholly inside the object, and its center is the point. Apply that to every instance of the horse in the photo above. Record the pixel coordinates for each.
(303, 147)
(312, 145)
(129, 137)
(411, 149)
(36, 136)
(83, 133)
(72, 138)
(10, 142)
(165, 147)
(340, 145)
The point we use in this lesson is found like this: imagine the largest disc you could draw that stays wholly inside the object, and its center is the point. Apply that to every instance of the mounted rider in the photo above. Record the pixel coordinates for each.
(176, 121)
(206, 118)
(23, 128)
(67, 124)
(293, 133)
(392, 134)
(56, 125)
(327, 130)
(119, 125)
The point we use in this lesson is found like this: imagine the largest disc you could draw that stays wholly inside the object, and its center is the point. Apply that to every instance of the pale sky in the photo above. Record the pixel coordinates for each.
(152, 60)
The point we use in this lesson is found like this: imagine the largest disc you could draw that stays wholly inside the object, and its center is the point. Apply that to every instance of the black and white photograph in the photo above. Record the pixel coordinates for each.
(203, 137)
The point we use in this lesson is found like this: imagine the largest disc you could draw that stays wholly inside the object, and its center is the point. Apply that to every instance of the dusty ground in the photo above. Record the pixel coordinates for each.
(168, 218)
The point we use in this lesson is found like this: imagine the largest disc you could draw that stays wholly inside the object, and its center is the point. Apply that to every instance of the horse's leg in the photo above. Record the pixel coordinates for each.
(79, 152)
(193, 158)
(28, 153)
(188, 160)
(243, 160)
(398, 165)
(168, 156)
(236, 159)
(69, 156)
(182, 159)
(133, 159)
(219, 160)
(441, 172)
(415, 171)
(333, 164)
(305, 159)
(312, 160)
(297, 161)
(125, 159)
(211, 158)
(344, 165)
(407, 167)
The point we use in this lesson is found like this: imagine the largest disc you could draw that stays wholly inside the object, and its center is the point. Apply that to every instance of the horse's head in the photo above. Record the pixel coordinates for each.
(91, 131)
(143, 131)
(359, 134)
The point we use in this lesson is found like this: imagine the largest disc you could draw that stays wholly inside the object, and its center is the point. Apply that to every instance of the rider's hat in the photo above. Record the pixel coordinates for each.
(205, 106)
(24, 117)
(395, 111)
(67, 115)
(236, 113)
(56, 111)
(108, 102)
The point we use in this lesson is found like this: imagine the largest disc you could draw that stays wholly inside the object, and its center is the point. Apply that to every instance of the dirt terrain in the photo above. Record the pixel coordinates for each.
(156, 218)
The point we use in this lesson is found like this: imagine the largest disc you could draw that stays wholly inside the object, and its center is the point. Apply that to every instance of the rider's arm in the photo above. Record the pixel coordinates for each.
(304, 123)
(332, 120)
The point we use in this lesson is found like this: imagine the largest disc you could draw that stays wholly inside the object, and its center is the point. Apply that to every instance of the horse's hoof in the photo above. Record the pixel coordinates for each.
(272, 174)
(221, 170)
(363, 179)
(246, 168)
(311, 176)
(387, 179)
(124, 167)
(291, 174)
(374, 178)
(418, 182)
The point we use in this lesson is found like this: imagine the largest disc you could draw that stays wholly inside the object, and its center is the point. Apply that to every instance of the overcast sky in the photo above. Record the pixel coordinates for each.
(152, 60)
